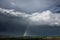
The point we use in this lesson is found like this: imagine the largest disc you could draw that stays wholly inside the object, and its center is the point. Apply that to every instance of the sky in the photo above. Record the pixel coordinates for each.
(30, 17)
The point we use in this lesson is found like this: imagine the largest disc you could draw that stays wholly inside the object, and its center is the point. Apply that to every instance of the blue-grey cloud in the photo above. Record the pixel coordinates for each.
(11, 24)
(17, 20)
(31, 6)
(45, 17)
(14, 22)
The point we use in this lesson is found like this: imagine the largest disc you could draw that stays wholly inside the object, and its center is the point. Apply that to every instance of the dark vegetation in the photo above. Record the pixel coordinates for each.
(29, 38)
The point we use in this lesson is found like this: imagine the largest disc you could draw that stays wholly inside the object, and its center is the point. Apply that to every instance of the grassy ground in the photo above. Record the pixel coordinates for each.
(31, 38)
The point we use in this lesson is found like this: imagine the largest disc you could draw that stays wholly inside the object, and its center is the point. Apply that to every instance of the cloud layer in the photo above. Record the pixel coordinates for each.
(31, 6)
(28, 20)
(43, 18)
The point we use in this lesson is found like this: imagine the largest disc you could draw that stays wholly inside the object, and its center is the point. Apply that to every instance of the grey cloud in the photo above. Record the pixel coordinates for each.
(31, 6)
(12, 21)
(28, 6)
(23, 22)
(45, 17)
(10, 24)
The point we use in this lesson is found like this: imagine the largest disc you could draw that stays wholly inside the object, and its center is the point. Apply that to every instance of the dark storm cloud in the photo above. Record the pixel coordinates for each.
(9, 25)
(43, 30)
(56, 9)
(14, 22)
